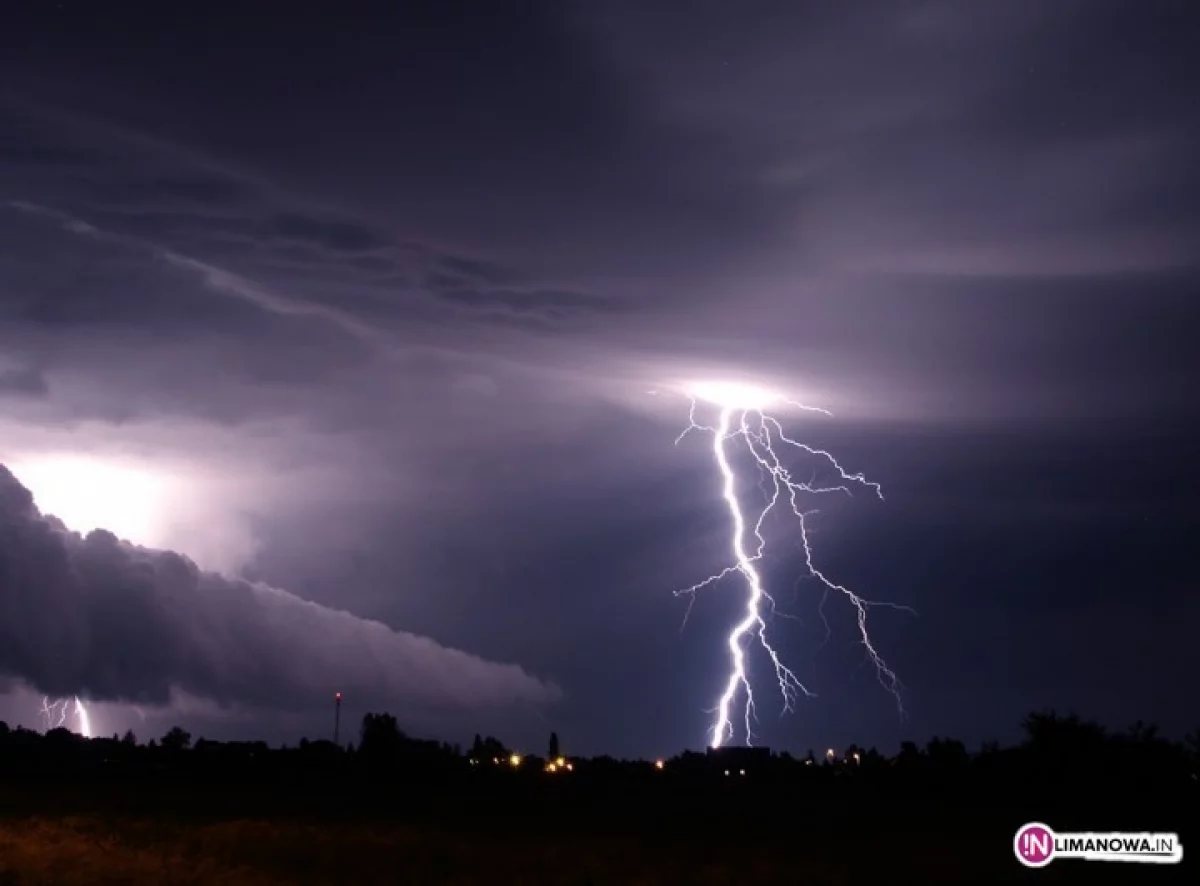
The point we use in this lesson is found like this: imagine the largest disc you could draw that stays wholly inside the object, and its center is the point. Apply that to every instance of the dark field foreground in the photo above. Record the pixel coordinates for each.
(93, 851)
(508, 831)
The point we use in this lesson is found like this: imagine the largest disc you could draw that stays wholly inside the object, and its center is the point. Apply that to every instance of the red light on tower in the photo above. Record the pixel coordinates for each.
(337, 716)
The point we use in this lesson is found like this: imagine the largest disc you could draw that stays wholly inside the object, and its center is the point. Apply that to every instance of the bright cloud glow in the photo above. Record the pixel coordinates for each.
(733, 395)
(194, 488)
(88, 493)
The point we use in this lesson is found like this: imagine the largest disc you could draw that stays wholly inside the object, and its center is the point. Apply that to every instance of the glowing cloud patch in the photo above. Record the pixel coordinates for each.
(734, 395)
(89, 493)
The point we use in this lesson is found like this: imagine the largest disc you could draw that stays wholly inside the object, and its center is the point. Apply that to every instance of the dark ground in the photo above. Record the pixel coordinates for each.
(500, 829)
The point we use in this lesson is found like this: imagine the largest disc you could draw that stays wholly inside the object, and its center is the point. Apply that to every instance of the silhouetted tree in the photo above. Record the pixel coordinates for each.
(129, 738)
(946, 753)
(553, 754)
(489, 748)
(872, 759)
(177, 739)
(1143, 733)
(909, 756)
(1048, 732)
(380, 737)
(1191, 749)
(61, 737)
(1066, 749)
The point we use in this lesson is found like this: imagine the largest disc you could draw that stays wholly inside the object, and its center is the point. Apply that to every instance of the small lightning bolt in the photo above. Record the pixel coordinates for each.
(743, 418)
(85, 721)
(55, 713)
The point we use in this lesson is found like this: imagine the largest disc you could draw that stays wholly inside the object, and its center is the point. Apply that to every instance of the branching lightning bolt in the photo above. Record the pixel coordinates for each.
(55, 714)
(743, 418)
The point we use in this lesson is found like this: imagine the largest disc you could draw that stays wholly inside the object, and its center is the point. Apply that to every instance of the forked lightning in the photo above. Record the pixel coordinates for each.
(743, 421)
(55, 714)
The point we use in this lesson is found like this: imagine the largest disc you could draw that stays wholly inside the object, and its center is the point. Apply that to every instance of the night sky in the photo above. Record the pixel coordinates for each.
(363, 311)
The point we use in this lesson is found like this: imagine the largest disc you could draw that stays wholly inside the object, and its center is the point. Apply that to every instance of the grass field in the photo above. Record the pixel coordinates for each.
(78, 851)
(216, 834)
(93, 852)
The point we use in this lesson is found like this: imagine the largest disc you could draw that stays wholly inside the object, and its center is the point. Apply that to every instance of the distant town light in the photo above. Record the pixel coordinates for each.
(514, 760)
(658, 764)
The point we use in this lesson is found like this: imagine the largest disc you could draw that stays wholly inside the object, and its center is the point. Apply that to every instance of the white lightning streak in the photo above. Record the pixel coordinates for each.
(85, 722)
(762, 434)
(55, 714)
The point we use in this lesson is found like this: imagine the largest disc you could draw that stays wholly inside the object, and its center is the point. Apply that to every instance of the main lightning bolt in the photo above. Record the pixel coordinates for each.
(55, 713)
(743, 418)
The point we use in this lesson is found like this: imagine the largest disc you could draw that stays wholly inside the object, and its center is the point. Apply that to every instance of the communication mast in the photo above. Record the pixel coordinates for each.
(337, 716)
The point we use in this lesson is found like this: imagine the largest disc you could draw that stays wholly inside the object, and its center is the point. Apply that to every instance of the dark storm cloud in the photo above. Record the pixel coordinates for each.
(23, 383)
(541, 303)
(516, 110)
(918, 136)
(134, 272)
(374, 263)
(98, 617)
(336, 236)
(482, 271)
(158, 194)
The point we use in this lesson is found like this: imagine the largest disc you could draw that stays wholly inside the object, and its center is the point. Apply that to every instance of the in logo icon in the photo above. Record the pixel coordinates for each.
(1034, 845)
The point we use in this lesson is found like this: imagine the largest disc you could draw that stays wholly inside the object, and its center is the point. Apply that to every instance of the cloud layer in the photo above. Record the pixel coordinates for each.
(389, 307)
(101, 618)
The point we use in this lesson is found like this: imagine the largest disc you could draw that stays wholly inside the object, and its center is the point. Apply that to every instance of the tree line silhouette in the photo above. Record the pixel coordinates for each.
(1056, 749)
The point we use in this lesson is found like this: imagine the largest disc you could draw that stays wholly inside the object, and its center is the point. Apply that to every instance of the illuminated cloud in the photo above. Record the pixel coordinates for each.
(114, 622)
